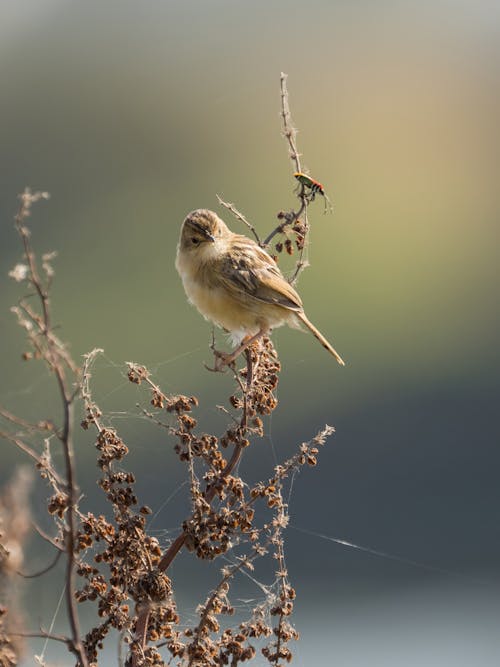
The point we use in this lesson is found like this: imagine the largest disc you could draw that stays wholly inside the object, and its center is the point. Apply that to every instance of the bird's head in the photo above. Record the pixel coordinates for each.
(201, 230)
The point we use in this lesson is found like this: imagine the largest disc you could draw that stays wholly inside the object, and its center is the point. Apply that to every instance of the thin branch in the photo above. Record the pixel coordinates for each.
(288, 129)
(48, 538)
(45, 635)
(155, 420)
(279, 554)
(50, 336)
(289, 219)
(91, 408)
(18, 421)
(41, 463)
(239, 216)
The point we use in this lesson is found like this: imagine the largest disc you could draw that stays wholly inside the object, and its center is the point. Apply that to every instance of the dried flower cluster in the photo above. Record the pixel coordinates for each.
(124, 577)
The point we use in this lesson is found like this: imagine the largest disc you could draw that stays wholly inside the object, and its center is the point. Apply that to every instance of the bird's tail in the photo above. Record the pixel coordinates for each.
(319, 336)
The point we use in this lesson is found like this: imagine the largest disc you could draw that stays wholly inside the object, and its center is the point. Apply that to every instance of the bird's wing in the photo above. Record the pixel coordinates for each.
(250, 271)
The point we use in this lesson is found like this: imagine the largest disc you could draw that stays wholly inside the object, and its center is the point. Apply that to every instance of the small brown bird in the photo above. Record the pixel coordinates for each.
(234, 283)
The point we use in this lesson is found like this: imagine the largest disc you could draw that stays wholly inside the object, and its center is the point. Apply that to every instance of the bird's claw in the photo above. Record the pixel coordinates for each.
(222, 361)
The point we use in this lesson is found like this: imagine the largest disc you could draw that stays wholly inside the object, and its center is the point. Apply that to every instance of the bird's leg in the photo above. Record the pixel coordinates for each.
(220, 358)
(223, 359)
(245, 343)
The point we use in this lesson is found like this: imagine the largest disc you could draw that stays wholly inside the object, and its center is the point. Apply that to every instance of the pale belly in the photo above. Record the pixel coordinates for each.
(237, 317)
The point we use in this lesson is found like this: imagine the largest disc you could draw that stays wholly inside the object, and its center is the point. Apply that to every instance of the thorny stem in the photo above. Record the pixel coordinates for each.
(288, 129)
(291, 135)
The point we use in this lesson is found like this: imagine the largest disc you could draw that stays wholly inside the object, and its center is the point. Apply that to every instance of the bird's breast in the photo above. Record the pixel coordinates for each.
(235, 313)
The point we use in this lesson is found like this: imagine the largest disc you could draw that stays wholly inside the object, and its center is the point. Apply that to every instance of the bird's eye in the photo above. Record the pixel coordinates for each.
(195, 240)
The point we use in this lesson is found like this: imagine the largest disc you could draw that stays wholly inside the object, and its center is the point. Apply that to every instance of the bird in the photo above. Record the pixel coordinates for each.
(236, 284)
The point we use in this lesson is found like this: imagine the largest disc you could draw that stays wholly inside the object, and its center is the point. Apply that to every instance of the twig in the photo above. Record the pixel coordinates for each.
(288, 129)
(279, 554)
(48, 538)
(14, 419)
(92, 410)
(289, 219)
(50, 336)
(51, 472)
(239, 216)
(44, 635)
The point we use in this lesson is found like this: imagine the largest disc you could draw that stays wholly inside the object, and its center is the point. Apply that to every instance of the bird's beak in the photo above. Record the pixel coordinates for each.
(202, 230)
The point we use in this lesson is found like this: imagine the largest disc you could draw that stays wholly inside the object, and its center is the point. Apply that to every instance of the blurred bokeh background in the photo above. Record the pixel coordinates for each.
(133, 113)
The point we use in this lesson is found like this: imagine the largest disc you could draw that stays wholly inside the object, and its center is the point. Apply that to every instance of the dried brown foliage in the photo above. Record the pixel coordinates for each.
(112, 561)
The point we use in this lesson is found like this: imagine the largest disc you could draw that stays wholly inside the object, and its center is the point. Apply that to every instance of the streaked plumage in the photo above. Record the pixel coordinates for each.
(235, 283)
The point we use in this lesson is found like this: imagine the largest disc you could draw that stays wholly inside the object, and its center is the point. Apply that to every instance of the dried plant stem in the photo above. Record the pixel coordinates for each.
(282, 571)
(48, 538)
(290, 219)
(241, 217)
(41, 635)
(18, 421)
(70, 533)
(288, 129)
(56, 357)
(20, 444)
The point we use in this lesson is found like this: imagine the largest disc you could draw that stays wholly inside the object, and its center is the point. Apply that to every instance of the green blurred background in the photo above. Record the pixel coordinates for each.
(133, 113)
